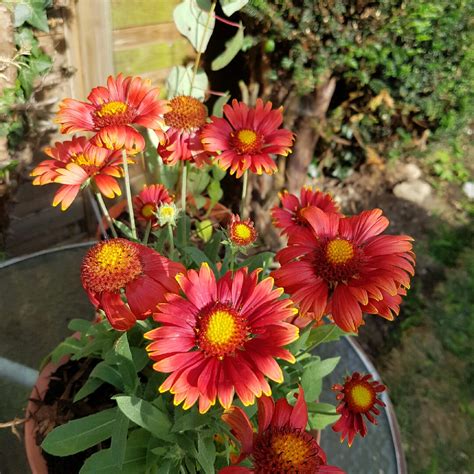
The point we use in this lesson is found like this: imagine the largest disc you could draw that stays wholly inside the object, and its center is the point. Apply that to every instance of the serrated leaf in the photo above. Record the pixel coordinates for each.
(81, 434)
(229, 7)
(146, 415)
(206, 454)
(232, 48)
(179, 83)
(195, 23)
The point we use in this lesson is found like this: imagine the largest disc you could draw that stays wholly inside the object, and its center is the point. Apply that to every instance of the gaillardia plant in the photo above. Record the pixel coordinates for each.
(205, 346)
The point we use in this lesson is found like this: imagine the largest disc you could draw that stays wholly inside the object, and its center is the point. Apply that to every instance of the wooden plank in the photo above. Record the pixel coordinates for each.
(143, 35)
(153, 57)
(127, 13)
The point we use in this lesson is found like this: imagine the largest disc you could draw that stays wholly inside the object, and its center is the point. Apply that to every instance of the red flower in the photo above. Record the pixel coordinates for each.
(144, 276)
(74, 164)
(281, 445)
(111, 110)
(289, 217)
(241, 233)
(181, 140)
(247, 138)
(342, 266)
(146, 203)
(358, 397)
(220, 337)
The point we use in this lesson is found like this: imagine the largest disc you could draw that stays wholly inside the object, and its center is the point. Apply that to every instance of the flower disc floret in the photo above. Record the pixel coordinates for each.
(147, 202)
(187, 113)
(241, 233)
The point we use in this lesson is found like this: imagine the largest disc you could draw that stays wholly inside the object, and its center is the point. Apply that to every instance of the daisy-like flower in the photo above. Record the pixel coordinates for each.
(112, 110)
(182, 125)
(289, 217)
(147, 202)
(343, 267)
(221, 337)
(167, 214)
(282, 444)
(115, 268)
(358, 396)
(74, 164)
(246, 138)
(241, 233)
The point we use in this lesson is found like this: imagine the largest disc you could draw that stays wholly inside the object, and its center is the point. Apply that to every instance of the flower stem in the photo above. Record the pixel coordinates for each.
(147, 233)
(106, 214)
(233, 254)
(184, 178)
(245, 183)
(201, 43)
(171, 239)
(128, 193)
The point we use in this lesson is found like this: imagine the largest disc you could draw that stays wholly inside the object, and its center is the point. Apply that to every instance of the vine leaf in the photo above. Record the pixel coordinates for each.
(232, 48)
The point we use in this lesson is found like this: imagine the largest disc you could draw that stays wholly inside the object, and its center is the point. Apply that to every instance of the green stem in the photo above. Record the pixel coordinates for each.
(184, 179)
(245, 185)
(128, 193)
(233, 254)
(311, 348)
(171, 239)
(106, 214)
(147, 233)
(201, 43)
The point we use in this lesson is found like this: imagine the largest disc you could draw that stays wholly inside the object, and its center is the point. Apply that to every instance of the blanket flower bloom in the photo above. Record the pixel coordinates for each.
(183, 124)
(358, 396)
(118, 265)
(343, 267)
(241, 233)
(246, 137)
(147, 202)
(112, 110)
(282, 444)
(221, 337)
(74, 164)
(289, 216)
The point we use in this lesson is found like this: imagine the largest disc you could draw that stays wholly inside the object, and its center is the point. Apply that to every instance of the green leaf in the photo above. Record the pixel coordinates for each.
(325, 333)
(198, 256)
(126, 231)
(197, 181)
(215, 191)
(91, 385)
(204, 229)
(79, 325)
(78, 435)
(260, 260)
(119, 439)
(313, 374)
(179, 83)
(69, 346)
(184, 229)
(229, 7)
(103, 462)
(206, 454)
(218, 173)
(146, 415)
(109, 374)
(218, 111)
(321, 415)
(194, 22)
(125, 364)
(190, 420)
(232, 48)
(212, 247)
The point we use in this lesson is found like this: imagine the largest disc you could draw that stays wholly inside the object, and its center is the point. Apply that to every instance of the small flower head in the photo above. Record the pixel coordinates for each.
(182, 124)
(282, 444)
(220, 337)
(246, 137)
(358, 396)
(117, 267)
(147, 202)
(241, 233)
(167, 214)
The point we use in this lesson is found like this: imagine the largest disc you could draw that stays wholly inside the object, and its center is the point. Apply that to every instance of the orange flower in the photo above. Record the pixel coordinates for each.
(112, 110)
(343, 267)
(241, 233)
(146, 203)
(183, 123)
(143, 275)
(247, 138)
(358, 396)
(221, 337)
(282, 444)
(75, 164)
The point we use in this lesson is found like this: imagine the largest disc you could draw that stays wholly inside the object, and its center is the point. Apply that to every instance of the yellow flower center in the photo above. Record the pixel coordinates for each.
(291, 449)
(166, 211)
(339, 251)
(80, 160)
(148, 210)
(242, 231)
(110, 265)
(247, 137)
(187, 113)
(221, 331)
(360, 396)
(112, 108)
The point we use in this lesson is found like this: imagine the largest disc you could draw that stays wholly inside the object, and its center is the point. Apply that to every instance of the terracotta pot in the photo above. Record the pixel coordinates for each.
(34, 453)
